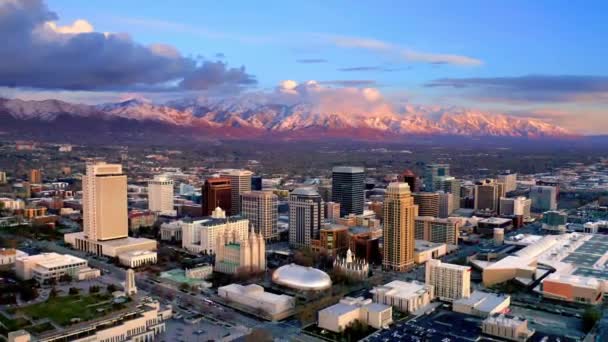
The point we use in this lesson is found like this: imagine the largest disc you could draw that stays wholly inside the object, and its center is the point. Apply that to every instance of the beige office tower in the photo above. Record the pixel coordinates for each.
(160, 195)
(399, 214)
(428, 203)
(104, 202)
(451, 282)
(488, 194)
(240, 182)
(261, 208)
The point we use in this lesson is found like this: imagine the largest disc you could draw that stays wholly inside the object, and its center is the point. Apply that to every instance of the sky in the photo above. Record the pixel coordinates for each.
(539, 59)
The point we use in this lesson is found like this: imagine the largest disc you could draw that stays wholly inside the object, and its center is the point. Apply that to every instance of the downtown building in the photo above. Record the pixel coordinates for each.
(201, 236)
(487, 195)
(432, 172)
(217, 192)
(348, 185)
(306, 214)
(451, 282)
(438, 230)
(240, 183)
(261, 209)
(399, 215)
(427, 202)
(160, 196)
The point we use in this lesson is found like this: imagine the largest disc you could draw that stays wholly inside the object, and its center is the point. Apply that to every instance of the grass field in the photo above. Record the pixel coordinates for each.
(62, 310)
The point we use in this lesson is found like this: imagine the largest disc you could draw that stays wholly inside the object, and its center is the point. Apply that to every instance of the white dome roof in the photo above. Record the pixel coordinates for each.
(301, 278)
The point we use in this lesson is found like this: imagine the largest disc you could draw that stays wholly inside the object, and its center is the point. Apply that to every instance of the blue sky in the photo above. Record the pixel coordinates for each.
(482, 50)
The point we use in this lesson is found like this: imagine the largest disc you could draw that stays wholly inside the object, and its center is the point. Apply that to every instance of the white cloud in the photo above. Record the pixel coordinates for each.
(78, 26)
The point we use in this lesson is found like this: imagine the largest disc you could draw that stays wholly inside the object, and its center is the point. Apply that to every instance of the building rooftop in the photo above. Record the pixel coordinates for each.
(483, 301)
(301, 278)
(51, 260)
(307, 191)
(402, 289)
(348, 169)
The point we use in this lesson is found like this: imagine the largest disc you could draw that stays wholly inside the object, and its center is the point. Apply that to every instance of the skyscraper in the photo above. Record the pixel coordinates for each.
(449, 184)
(160, 195)
(451, 282)
(261, 208)
(104, 202)
(431, 172)
(446, 204)
(509, 180)
(240, 182)
(217, 192)
(544, 198)
(488, 194)
(409, 177)
(35, 176)
(256, 183)
(428, 203)
(399, 214)
(306, 209)
(348, 189)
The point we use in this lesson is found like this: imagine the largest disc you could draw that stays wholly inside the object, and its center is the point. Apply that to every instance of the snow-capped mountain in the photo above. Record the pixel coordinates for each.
(219, 116)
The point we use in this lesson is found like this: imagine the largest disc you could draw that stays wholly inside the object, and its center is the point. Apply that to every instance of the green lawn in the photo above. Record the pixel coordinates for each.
(62, 310)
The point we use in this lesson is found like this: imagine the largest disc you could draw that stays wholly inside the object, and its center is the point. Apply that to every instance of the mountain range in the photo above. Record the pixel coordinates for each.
(239, 118)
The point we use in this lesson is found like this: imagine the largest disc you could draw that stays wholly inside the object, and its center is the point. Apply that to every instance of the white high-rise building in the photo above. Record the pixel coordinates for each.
(160, 195)
(509, 180)
(451, 282)
(104, 202)
(240, 182)
(518, 206)
(201, 236)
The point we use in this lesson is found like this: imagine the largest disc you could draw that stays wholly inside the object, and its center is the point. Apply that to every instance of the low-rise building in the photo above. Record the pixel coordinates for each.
(8, 256)
(46, 266)
(110, 248)
(199, 272)
(555, 221)
(425, 251)
(134, 259)
(253, 297)
(486, 226)
(573, 288)
(482, 304)
(171, 231)
(141, 218)
(338, 317)
(508, 327)
(404, 296)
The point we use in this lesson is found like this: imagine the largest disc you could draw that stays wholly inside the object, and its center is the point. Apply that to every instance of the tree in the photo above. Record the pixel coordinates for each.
(65, 278)
(53, 292)
(590, 317)
(94, 289)
(73, 291)
(111, 288)
(28, 293)
(184, 287)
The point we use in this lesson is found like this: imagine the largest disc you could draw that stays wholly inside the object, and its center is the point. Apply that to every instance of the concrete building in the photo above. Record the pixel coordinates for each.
(573, 289)
(240, 183)
(450, 281)
(451, 185)
(261, 209)
(348, 189)
(425, 251)
(408, 176)
(104, 202)
(8, 256)
(544, 198)
(398, 233)
(306, 211)
(338, 317)
(486, 226)
(255, 298)
(12, 204)
(555, 221)
(515, 206)
(332, 211)
(404, 296)
(333, 240)
(234, 254)
(487, 195)
(428, 203)
(200, 236)
(217, 192)
(46, 266)
(443, 230)
(2, 177)
(432, 172)
(160, 195)
(141, 323)
(130, 287)
(171, 231)
(482, 304)
(447, 204)
(507, 327)
(199, 272)
(136, 259)
(509, 180)
(499, 236)
(35, 176)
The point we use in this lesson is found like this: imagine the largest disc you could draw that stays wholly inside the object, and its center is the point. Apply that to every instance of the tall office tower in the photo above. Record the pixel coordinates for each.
(487, 195)
(399, 214)
(35, 176)
(325, 191)
(256, 183)
(2, 177)
(217, 192)
(104, 202)
(516, 206)
(431, 172)
(446, 204)
(240, 181)
(408, 176)
(261, 208)
(437, 229)
(332, 211)
(452, 185)
(160, 195)
(509, 180)
(451, 282)
(305, 216)
(347, 188)
(428, 203)
(544, 198)
(130, 287)
(550, 182)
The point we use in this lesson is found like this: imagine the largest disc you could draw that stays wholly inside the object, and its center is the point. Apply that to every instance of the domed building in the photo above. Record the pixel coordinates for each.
(301, 278)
